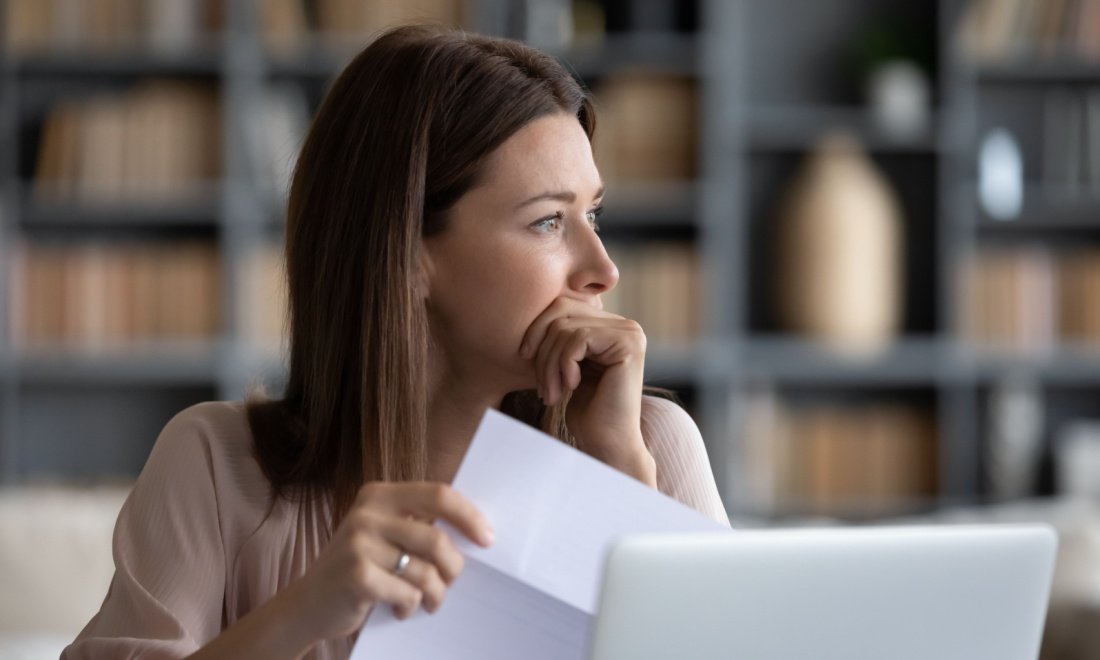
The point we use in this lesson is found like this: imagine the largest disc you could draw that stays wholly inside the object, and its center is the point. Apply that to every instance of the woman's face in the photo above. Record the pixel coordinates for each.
(512, 245)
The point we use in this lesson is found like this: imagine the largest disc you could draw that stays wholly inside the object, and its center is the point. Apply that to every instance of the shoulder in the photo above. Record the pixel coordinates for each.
(224, 420)
(671, 435)
(666, 421)
(683, 466)
(216, 430)
(205, 452)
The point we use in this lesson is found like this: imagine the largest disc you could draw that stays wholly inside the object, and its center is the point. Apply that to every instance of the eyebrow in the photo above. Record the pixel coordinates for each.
(562, 195)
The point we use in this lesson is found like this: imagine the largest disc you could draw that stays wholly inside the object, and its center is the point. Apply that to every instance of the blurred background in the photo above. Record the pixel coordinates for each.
(863, 238)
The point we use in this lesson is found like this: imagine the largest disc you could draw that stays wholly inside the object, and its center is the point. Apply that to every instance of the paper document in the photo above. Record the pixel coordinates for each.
(533, 593)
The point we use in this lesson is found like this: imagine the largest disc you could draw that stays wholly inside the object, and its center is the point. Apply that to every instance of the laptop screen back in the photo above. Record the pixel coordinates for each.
(868, 593)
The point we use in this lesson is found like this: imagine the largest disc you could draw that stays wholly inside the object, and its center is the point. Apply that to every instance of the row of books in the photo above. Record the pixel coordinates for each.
(160, 141)
(287, 24)
(155, 142)
(1071, 142)
(1001, 30)
(659, 287)
(264, 302)
(94, 295)
(168, 26)
(1029, 299)
(647, 128)
(551, 24)
(97, 293)
(831, 459)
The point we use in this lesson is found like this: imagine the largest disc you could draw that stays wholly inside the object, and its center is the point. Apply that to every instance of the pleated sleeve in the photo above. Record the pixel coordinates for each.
(167, 595)
(683, 467)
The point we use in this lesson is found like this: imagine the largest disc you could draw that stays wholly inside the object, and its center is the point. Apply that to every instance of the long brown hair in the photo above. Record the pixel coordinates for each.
(400, 137)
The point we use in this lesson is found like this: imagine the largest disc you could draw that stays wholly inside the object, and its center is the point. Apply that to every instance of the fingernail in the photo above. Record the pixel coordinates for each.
(488, 537)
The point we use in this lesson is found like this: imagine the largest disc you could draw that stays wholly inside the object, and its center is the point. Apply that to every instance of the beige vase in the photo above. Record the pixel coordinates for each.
(840, 250)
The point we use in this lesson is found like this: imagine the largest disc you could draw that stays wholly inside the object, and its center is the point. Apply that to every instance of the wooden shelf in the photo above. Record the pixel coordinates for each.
(200, 210)
(789, 360)
(156, 363)
(1054, 71)
(205, 61)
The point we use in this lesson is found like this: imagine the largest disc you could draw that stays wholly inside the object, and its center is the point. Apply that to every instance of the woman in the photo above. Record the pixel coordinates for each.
(442, 258)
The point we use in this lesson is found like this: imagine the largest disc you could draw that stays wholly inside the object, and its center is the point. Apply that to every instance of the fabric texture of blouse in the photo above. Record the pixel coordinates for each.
(195, 549)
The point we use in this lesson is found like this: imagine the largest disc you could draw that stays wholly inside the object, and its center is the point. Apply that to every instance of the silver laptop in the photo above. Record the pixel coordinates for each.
(868, 593)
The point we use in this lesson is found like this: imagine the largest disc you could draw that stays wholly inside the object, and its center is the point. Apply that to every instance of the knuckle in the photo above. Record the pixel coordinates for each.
(368, 492)
(442, 495)
(432, 577)
(449, 570)
(364, 576)
(364, 521)
(438, 544)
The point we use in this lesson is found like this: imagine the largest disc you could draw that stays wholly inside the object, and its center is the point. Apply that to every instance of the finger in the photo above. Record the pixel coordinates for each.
(385, 540)
(546, 365)
(574, 351)
(379, 584)
(536, 332)
(426, 578)
(431, 501)
(562, 307)
(425, 541)
(570, 346)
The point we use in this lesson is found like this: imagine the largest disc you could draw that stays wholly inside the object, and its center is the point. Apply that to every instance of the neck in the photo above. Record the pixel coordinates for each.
(454, 412)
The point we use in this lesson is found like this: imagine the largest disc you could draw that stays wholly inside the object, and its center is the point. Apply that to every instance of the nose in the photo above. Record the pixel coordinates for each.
(593, 272)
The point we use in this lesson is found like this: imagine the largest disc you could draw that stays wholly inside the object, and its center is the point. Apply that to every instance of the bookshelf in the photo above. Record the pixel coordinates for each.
(765, 88)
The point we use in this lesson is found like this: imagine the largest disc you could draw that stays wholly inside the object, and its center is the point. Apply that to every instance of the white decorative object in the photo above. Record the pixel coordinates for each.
(840, 250)
(898, 92)
(1000, 175)
(1077, 459)
(1016, 431)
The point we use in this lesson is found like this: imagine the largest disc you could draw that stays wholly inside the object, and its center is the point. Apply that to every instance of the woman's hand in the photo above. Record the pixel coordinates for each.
(356, 570)
(600, 357)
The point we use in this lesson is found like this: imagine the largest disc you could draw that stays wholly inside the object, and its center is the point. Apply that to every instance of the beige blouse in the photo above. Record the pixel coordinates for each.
(194, 550)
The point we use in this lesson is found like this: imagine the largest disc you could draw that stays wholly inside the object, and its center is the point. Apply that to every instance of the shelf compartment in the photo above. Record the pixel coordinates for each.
(794, 128)
(659, 52)
(1044, 209)
(645, 204)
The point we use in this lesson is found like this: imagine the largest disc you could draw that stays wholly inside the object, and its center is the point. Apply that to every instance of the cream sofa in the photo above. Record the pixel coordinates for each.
(55, 564)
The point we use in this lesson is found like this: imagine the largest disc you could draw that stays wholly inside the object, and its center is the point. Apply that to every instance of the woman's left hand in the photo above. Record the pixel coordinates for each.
(600, 357)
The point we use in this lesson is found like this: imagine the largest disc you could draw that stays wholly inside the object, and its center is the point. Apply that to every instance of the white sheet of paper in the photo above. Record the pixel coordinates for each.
(555, 512)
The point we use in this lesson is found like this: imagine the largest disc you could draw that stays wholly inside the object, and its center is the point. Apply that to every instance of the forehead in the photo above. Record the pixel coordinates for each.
(550, 153)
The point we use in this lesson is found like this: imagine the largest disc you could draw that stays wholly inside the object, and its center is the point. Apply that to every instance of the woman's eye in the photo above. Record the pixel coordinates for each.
(550, 224)
(592, 215)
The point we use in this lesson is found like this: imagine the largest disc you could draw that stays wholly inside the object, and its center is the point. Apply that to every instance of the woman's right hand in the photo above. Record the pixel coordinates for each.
(356, 570)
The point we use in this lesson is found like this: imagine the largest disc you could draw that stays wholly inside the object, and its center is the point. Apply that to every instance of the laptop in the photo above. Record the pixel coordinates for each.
(903, 593)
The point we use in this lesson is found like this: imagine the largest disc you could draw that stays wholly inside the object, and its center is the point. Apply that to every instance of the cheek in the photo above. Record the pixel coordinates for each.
(519, 288)
(491, 299)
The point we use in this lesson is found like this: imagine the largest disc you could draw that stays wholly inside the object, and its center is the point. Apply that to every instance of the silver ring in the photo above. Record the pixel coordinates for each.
(402, 563)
